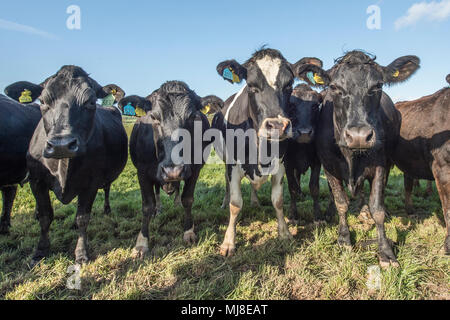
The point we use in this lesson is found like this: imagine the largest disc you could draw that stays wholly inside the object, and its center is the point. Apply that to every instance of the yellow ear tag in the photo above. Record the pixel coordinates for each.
(25, 97)
(318, 79)
(140, 112)
(206, 109)
(396, 74)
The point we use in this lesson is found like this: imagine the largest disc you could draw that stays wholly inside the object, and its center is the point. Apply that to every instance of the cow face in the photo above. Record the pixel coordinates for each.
(355, 86)
(269, 80)
(304, 113)
(174, 106)
(68, 106)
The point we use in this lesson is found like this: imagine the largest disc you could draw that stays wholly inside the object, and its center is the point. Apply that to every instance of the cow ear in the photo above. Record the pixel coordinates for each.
(314, 75)
(232, 71)
(140, 105)
(23, 91)
(211, 104)
(448, 79)
(401, 69)
(314, 61)
(115, 90)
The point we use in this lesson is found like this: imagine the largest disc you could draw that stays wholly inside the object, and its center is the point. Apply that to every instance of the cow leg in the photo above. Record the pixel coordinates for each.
(148, 210)
(409, 185)
(341, 202)
(442, 177)
(314, 189)
(226, 198)
(429, 188)
(107, 207)
(45, 217)
(254, 197)
(187, 199)
(378, 212)
(9, 194)
(158, 205)
(228, 246)
(277, 201)
(177, 198)
(85, 202)
(298, 177)
(293, 192)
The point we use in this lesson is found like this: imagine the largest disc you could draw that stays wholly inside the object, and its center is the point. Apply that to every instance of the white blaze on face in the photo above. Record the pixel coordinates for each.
(270, 68)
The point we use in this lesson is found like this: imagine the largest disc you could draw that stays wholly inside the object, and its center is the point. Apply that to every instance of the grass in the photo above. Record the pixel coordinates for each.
(310, 267)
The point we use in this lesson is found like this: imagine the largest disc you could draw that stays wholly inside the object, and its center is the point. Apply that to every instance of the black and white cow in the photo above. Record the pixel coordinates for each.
(77, 148)
(258, 110)
(358, 131)
(17, 124)
(174, 107)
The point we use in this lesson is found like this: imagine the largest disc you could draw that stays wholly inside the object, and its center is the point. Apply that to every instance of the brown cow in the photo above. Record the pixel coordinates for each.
(423, 151)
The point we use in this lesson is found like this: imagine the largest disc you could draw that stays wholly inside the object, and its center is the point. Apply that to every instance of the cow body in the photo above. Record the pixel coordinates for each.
(423, 150)
(301, 152)
(357, 133)
(17, 123)
(77, 148)
(255, 116)
(173, 107)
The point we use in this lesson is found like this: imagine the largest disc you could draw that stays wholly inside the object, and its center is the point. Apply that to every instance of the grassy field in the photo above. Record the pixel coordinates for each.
(310, 267)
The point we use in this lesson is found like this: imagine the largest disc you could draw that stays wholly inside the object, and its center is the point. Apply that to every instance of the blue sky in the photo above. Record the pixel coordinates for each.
(140, 44)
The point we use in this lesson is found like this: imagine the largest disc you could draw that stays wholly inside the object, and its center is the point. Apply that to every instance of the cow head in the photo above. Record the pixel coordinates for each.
(269, 80)
(68, 106)
(175, 106)
(304, 112)
(355, 85)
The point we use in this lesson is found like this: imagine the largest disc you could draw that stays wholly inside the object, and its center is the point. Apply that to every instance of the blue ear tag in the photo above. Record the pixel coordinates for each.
(310, 76)
(128, 110)
(228, 74)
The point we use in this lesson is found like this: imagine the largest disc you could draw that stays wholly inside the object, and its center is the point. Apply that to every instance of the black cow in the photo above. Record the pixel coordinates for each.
(301, 153)
(423, 150)
(174, 106)
(258, 112)
(17, 123)
(78, 147)
(358, 131)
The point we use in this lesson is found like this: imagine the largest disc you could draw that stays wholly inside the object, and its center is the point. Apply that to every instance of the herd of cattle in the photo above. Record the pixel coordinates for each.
(70, 145)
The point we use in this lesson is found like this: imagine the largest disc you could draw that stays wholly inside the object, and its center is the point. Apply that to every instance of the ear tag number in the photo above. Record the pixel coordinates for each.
(25, 97)
(109, 100)
(206, 109)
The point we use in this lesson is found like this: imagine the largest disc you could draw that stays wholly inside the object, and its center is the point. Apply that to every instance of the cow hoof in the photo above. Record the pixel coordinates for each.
(344, 241)
(140, 252)
(189, 237)
(38, 256)
(107, 211)
(227, 249)
(387, 263)
(81, 256)
(4, 228)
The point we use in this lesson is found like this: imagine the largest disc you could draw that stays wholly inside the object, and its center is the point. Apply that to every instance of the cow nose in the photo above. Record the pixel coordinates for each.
(276, 128)
(60, 148)
(359, 137)
(173, 173)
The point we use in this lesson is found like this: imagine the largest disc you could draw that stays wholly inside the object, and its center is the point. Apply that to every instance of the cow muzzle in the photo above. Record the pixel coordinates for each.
(359, 138)
(62, 148)
(172, 173)
(276, 129)
(304, 135)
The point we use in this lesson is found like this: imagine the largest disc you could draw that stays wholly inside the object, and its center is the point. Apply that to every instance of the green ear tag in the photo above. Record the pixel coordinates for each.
(25, 97)
(108, 101)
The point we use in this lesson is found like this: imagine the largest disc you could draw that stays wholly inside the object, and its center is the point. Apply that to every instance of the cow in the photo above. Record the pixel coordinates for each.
(301, 152)
(423, 150)
(174, 106)
(257, 115)
(358, 130)
(77, 148)
(17, 123)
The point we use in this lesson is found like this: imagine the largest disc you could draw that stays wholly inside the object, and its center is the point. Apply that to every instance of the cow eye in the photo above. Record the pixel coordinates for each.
(91, 105)
(254, 89)
(336, 90)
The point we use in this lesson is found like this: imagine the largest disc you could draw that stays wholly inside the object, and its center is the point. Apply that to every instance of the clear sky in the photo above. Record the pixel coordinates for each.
(140, 44)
